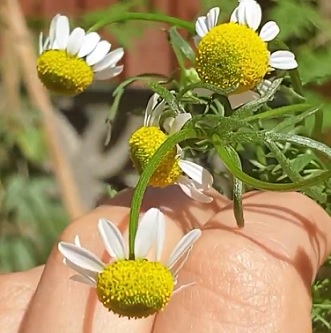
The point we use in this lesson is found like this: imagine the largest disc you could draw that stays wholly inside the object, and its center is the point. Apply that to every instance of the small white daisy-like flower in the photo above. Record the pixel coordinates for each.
(69, 62)
(146, 140)
(233, 55)
(133, 288)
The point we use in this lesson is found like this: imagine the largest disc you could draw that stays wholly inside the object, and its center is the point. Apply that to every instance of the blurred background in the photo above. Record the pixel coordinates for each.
(54, 164)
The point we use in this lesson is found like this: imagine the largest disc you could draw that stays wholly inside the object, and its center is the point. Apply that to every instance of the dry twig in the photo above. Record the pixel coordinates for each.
(13, 19)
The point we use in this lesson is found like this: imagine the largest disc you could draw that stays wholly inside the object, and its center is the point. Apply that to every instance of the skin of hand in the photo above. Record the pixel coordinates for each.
(256, 279)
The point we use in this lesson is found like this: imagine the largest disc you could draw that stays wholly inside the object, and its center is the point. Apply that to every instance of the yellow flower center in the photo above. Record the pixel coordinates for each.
(135, 288)
(232, 56)
(143, 144)
(63, 73)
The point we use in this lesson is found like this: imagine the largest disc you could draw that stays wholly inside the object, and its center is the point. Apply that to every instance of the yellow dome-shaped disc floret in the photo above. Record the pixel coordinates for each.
(135, 288)
(143, 144)
(232, 55)
(63, 73)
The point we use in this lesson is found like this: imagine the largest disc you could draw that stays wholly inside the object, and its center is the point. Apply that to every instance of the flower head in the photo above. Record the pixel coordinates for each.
(146, 140)
(69, 62)
(233, 55)
(132, 288)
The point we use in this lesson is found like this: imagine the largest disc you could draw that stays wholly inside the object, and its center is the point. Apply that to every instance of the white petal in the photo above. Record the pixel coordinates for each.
(176, 268)
(184, 286)
(191, 190)
(153, 101)
(234, 16)
(283, 60)
(198, 173)
(179, 121)
(146, 233)
(108, 73)
(154, 119)
(241, 14)
(263, 87)
(269, 31)
(81, 257)
(112, 239)
(110, 60)
(75, 41)
(46, 44)
(196, 40)
(249, 13)
(77, 241)
(90, 41)
(254, 16)
(200, 26)
(83, 279)
(98, 53)
(52, 30)
(179, 151)
(41, 48)
(62, 31)
(212, 18)
(183, 246)
(160, 233)
(152, 104)
(168, 123)
(55, 46)
(83, 272)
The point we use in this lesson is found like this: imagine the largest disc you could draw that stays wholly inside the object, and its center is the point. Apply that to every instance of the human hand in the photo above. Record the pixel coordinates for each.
(256, 279)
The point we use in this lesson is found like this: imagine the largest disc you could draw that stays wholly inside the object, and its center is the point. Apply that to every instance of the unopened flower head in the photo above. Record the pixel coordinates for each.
(132, 288)
(173, 169)
(69, 62)
(233, 56)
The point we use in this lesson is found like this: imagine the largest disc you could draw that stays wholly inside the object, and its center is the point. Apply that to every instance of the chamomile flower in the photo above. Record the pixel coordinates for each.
(233, 55)
(133, 288)
(146, 140)
(69, 62)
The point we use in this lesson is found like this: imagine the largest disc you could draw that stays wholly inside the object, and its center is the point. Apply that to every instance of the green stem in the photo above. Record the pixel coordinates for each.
(322, 306)
(318, 125)
(155, 17)
(293, 174)
(223, 152)
(189, 87)
(296, 81)
(208, 86)
(300, 140)
(281, 111)
(143, 182)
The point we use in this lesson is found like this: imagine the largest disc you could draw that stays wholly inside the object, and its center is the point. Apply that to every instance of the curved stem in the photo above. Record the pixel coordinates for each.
(143, 182)
(284, 110)
(296, 81)
(155, 17)
(187, 88)
(225, 153)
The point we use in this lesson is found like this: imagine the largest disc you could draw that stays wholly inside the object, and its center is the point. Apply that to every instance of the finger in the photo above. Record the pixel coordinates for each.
(16, 290)
(256, 279)
(70, 304)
